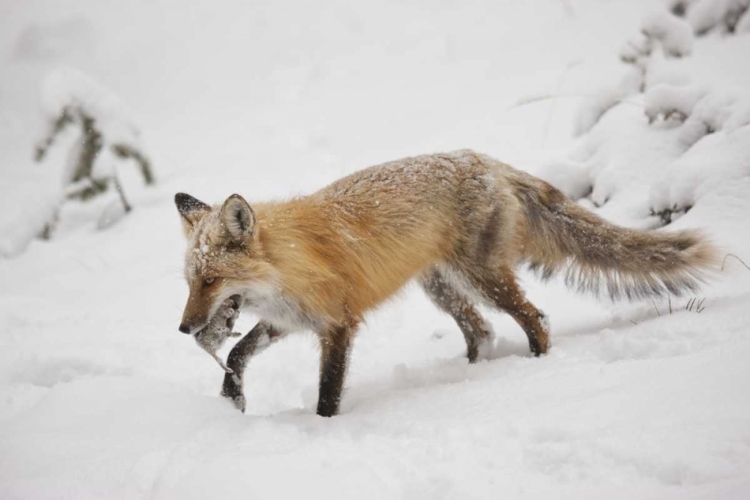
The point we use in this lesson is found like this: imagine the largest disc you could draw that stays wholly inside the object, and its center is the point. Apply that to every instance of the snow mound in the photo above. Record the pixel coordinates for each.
(649, 55)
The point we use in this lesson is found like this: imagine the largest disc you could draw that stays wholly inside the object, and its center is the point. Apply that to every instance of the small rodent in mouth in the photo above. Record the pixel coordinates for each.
(219, 328)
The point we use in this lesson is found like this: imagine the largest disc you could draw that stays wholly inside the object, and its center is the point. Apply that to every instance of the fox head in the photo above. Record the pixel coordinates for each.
(224, 256)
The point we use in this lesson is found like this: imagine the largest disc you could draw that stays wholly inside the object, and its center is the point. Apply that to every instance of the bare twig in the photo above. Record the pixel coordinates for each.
(695, 305)
(733, 255)
(121, 192)
(126, 151)
(49, 227)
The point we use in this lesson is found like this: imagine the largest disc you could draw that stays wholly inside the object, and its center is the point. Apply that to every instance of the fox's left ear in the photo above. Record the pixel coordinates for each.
(238, 218)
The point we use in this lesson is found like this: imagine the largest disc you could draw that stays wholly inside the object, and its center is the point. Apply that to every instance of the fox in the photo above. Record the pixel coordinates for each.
(460, 224)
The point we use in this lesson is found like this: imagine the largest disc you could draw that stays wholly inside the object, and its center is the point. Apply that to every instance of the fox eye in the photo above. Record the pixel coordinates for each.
(208, 281)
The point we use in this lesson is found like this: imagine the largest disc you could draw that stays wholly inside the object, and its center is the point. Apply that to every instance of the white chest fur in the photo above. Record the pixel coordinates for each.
(270, 304)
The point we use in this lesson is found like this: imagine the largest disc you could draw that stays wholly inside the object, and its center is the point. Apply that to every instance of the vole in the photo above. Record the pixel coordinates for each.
(219, 328)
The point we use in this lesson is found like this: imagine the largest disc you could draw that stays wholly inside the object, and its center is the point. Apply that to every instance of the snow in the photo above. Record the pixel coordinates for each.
(101, 396)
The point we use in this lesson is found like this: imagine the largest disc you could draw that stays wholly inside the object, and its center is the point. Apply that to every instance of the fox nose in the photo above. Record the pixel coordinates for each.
(184, 328)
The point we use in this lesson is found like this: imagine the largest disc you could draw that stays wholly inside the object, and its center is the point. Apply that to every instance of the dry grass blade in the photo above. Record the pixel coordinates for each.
(724, 262)
(525, 101)
(657, 309)
(700, 307)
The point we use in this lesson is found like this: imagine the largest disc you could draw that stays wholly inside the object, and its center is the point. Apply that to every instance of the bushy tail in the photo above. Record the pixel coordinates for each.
(561, 236)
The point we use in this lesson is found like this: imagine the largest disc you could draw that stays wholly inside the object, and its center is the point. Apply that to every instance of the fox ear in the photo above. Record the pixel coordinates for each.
(238, 218)
(191, 209)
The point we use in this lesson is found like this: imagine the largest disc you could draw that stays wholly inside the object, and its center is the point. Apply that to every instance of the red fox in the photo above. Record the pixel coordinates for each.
(459, 223)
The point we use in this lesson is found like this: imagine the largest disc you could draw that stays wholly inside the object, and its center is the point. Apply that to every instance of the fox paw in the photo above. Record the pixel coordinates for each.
(232, 390)
(237, 400)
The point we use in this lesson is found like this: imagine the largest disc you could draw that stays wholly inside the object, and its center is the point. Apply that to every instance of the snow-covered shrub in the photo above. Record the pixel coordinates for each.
(709, 115)
(681, 139)
(663, 36)
(666, 102)
(706, 16)
(659, 69)
(673, 33)
(717, 140)
(679, 7)
(105, 133)
(740, 116)
(660, 31)
(698, 110)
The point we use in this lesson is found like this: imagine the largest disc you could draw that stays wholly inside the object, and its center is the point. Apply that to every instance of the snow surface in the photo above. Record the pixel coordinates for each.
(102, 397)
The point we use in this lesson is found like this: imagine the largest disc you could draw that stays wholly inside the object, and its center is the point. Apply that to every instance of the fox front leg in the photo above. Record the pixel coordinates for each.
(335, 343)
(260, 337)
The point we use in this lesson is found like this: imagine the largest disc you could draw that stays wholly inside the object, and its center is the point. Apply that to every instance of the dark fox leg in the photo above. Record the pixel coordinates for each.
(334, 355)
(501, 289)
(258, 338)
(450, 300)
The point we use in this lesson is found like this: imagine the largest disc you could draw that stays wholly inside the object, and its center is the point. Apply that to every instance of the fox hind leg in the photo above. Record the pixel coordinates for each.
(449, 299)
(501, 288)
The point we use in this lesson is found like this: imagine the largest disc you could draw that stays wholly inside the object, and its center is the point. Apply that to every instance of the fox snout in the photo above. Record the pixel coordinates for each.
(192, 322)
(191, 326)
(197, 311)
